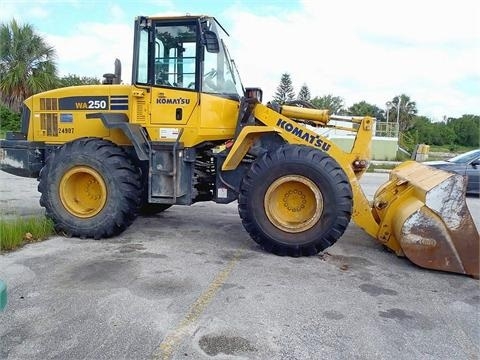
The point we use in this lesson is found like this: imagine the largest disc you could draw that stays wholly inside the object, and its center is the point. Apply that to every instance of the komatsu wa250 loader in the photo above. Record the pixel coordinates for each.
(185, 130)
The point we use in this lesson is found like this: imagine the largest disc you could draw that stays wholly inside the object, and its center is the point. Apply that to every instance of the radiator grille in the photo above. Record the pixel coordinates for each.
(48, 104)
(141, 110)
(49, 123)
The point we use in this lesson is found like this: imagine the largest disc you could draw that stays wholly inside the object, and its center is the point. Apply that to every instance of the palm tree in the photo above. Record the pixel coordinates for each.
(27, 64)
(403, 110)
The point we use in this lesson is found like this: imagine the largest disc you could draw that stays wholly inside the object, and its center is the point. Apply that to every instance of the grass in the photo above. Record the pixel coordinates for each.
(377, 166)
(457, 149)
(17, 232)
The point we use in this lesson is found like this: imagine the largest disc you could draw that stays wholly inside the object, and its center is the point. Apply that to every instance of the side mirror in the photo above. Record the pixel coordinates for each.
(211, 41)
(254, 93)
(475, 162)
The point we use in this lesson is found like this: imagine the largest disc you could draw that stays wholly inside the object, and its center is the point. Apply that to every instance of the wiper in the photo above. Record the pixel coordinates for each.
(238, 74)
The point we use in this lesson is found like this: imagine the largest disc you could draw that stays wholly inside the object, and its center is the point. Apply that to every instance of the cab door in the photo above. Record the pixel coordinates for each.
(174, 95)
(172, 106)
(166, 65)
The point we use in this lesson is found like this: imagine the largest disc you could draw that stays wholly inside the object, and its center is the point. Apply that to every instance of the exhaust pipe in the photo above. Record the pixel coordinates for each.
(116, 77)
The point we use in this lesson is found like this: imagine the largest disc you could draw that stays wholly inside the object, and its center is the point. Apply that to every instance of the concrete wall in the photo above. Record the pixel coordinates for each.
(383, 148)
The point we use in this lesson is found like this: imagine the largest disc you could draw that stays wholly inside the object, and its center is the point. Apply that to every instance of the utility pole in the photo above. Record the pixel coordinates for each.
(398, 112)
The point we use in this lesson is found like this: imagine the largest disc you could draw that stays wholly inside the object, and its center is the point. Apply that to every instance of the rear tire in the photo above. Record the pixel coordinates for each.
(90, 189)
(295, 201)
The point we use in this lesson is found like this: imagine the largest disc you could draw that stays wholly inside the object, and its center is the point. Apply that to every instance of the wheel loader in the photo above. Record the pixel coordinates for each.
(186, 130)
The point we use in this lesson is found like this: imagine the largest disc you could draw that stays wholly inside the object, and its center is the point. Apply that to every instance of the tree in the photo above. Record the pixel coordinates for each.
(284, 91)
(304, 93)
(467, 130)
(9, 120)
(74, 80)
(334, 104)
(425, 131)
(405, 110)
(442, 135)
(27, 64)
(421, 130)
(363, 108)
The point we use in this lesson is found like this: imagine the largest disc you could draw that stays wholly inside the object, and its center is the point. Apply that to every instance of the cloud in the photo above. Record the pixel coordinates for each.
(29, 14)
(90, 48)
(364, 50)
(93, 48)
(38, 13)
(117, 12)
(368, 50)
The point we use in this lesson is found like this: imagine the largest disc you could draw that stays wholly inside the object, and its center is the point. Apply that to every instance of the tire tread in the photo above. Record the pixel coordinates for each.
(321, 162)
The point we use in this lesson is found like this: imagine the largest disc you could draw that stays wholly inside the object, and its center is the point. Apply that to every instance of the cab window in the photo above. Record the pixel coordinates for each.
(142, 63)
(175, 53)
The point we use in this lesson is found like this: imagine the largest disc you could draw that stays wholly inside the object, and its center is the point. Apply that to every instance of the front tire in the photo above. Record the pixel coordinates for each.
(90, 189)
(295, 201)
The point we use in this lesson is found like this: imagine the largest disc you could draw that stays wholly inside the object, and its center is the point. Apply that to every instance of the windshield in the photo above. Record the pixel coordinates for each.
(219, 75)
(466, 157)
(233, 71)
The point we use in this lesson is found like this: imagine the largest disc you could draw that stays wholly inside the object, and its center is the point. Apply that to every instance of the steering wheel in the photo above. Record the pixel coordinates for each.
(160, 81)
(208, 79)
(210, 75)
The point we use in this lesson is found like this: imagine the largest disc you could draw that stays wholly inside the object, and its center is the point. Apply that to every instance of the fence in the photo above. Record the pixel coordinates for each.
(386, 129)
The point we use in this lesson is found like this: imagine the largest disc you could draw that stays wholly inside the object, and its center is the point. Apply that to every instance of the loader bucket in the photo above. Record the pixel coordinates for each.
(424, 216)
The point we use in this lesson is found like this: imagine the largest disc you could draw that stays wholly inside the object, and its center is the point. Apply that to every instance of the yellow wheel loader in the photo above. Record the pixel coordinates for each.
(186, 130)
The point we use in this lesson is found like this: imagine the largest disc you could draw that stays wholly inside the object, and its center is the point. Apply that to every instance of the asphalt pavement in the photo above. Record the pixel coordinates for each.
(190, 284)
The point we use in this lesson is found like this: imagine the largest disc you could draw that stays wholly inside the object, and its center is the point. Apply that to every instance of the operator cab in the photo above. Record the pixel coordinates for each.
(187, 53)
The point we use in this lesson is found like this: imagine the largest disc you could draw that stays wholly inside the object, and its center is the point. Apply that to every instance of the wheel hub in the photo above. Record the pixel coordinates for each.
(294, 200)
(293, 203)
(83, 192)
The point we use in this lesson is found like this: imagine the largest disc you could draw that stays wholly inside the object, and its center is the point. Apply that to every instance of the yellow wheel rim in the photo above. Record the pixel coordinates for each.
(83, 192)
(293, 203)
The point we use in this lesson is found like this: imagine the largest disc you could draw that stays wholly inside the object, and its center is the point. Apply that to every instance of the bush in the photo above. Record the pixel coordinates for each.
(9, 120)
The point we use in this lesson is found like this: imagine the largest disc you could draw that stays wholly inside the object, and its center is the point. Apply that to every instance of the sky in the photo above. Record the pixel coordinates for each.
(369, 50)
